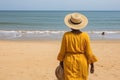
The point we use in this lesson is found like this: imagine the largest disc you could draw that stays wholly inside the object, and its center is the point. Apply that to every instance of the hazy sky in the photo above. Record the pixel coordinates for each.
(59, 4)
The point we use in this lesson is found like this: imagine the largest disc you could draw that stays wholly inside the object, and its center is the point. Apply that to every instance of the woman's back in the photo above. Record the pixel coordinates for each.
(75, 43)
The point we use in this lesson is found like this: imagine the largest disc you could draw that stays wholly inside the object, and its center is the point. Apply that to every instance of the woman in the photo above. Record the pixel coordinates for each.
(75, 54)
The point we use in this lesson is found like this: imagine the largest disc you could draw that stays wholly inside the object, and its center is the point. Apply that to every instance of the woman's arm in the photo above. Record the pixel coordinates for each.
(61, 54)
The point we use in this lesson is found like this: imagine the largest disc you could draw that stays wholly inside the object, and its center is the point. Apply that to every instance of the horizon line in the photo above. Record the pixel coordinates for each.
(59, 10)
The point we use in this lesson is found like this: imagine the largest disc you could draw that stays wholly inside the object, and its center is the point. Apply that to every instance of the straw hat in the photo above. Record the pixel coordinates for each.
(76, 21)
(59, 73)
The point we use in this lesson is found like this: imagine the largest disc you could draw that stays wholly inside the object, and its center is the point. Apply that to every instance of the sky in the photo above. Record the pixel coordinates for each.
(60, 5)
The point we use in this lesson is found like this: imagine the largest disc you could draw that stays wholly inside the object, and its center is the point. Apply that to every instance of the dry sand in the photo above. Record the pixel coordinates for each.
(36, 60)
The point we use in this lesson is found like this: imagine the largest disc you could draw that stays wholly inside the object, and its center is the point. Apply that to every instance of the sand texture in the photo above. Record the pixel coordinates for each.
(36, 60)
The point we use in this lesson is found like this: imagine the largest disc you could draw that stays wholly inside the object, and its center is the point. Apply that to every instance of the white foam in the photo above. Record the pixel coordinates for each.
(40, 34)
(9, 34)
(108, 32)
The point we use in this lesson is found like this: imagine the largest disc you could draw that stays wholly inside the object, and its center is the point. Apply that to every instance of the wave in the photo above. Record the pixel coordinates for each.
(108, 32)
(28, 34)
(47, 34)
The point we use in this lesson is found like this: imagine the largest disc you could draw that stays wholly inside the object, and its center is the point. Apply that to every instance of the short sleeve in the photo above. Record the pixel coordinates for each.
(61, 54)
(88, 51)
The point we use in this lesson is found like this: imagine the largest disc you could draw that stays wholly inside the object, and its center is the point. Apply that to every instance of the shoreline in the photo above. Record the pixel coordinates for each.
(54, 34)
(59, 40)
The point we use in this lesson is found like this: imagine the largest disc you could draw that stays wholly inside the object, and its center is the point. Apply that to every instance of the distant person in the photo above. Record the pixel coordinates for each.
(103, 33)
(75, 54)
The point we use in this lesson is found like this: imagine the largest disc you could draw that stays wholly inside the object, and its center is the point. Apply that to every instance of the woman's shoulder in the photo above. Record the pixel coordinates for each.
(85, 33)
(86, 36)
(67, 33)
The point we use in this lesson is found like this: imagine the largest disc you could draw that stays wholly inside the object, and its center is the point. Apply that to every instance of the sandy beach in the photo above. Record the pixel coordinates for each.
(36, 60)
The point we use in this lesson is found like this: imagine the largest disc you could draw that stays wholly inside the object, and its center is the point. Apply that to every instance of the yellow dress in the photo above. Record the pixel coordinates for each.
(76, 54)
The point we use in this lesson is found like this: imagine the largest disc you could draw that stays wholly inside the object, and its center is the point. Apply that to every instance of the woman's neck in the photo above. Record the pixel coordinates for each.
(76, 31)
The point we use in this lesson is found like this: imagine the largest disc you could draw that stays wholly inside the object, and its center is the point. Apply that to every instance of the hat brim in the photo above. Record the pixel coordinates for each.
(76, 26)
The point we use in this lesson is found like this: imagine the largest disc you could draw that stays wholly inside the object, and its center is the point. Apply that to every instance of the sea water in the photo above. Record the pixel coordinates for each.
(47, 25)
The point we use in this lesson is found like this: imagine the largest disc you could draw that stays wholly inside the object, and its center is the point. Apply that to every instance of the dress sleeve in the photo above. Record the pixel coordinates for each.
(61, 54)
(88, 51)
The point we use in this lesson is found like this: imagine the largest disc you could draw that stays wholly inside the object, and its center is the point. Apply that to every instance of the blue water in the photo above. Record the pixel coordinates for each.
(50, 24)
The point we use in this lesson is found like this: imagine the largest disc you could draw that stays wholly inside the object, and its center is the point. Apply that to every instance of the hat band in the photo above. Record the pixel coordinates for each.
(74, 22)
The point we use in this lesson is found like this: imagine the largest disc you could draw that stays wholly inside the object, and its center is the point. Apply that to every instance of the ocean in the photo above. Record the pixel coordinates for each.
(49, 25)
